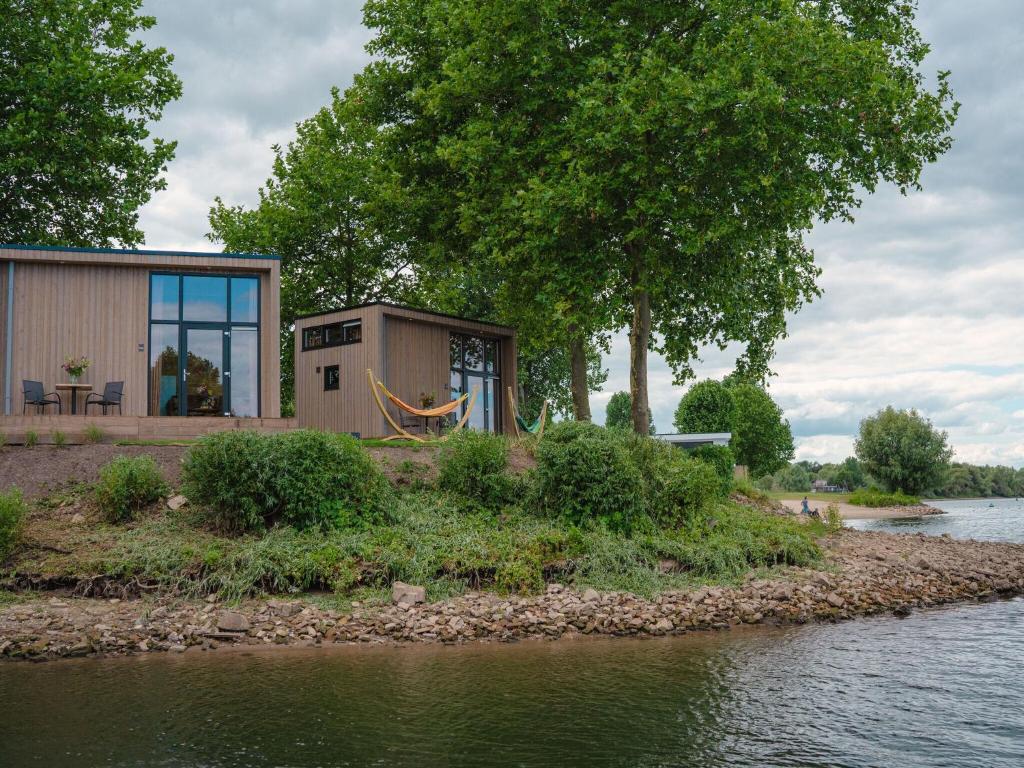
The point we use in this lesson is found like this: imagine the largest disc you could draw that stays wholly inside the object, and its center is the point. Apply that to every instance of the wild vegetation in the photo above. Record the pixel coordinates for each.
(600, 508)
(12, 515)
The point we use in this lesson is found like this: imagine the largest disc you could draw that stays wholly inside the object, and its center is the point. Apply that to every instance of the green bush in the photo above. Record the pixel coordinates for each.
(244, 480)
(872, 497)
(474, 466)
(128, 484)
(12, 514)
(585, 473)
(721, 459)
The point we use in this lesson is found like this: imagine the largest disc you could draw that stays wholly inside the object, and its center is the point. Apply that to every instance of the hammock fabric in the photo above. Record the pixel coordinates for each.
(440, 410)
(537, 427)
(376, 387)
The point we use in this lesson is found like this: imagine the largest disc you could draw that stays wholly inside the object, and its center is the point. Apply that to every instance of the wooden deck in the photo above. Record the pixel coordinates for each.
(14, 428)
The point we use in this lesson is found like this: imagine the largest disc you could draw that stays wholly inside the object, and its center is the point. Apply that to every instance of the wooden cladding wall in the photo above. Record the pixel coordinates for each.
(406, 348)
(4, 266)
(101, 311)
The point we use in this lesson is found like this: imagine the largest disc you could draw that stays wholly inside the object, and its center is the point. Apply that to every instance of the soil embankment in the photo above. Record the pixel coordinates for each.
(865, 573)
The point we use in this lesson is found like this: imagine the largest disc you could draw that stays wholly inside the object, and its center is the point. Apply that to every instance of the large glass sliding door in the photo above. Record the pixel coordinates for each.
(204, 345)
(474, 365)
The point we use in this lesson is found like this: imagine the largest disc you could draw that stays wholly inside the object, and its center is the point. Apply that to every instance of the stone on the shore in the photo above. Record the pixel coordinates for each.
(283, 608)
(176, 502)
(232, 621)
(407, 594)
(591, 596)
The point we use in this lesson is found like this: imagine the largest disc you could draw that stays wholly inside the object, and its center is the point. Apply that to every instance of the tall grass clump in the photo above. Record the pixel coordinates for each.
(93, 434)
(247, 481)
(474, 466)
(126, 485)
(58, 438)
(31, 438)
(13, 510)
(585, 474)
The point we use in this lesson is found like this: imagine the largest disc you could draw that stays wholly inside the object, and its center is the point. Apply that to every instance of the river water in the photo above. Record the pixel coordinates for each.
(944, 687)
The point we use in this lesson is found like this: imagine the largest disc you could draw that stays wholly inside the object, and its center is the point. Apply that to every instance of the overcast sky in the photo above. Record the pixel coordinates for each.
(922, 303)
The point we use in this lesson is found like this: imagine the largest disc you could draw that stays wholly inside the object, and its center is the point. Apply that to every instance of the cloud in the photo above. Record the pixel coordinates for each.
(921, 295)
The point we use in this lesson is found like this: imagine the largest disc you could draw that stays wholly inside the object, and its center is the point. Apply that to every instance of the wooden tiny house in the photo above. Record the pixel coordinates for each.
(189, 334)
(415, 353)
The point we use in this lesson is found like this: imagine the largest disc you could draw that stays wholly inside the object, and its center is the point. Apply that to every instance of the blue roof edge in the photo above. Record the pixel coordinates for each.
(140, 251)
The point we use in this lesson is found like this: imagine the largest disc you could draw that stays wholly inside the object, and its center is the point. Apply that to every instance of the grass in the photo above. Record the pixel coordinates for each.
(93, 434)
(432, 542)
(872, 497)
(374, 442)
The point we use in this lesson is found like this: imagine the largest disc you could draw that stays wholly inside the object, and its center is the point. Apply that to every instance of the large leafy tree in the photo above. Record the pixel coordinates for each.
(662, 158)
(618, 413)
(903, 450)
(77, 94)
(761, 437)
(707, 406)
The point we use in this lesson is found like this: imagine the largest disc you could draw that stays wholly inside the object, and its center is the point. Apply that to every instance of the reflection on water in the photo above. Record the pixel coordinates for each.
(940, 688)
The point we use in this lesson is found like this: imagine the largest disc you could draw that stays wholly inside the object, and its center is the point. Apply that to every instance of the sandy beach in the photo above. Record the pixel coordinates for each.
(854, 512)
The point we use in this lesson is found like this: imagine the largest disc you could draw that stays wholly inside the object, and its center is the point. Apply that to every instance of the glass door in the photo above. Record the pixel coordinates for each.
(203, 372)
(474, 365)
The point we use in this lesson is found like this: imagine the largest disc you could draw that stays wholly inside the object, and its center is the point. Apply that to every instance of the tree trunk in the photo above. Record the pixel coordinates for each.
(578, 378)
(639, 339)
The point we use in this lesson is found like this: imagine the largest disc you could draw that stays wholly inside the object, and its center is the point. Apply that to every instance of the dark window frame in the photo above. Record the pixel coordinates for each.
(492, 411)
(332, 384)
(184, 325)
(344, 327)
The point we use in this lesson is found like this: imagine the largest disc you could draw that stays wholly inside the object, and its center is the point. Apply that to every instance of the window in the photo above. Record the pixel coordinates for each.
(245, 299)
(474, 366)
(332, 378)
(332, 335)
(205, 298)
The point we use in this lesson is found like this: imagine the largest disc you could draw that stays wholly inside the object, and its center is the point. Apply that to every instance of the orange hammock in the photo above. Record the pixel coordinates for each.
(376, 387)
(441, 410)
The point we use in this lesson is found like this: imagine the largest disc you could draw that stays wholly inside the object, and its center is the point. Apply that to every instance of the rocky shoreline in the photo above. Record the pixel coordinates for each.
(865, 573)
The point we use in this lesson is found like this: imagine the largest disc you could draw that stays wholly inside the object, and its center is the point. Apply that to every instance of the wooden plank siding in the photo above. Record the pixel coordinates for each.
(96, 304)
(406, 348)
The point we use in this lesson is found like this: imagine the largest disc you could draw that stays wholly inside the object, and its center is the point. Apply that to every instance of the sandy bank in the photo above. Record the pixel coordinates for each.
(854, 512)
(864, 573)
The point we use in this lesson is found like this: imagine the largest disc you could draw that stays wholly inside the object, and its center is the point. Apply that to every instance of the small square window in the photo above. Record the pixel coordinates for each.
(332, 378)
(333, 335)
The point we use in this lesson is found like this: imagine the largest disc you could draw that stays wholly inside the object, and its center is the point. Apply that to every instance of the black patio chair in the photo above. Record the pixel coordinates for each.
(111, 397)
(34, 395)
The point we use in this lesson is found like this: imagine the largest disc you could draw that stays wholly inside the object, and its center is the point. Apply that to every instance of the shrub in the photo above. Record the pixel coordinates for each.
(585, 473)
(833, 519)
(128, 484)
(872, 497)
(474, 465)
(676, 487)
(244, 480)
(31, 438)
(58, 438)
(721, 459)
(12, 514)
(93, 434)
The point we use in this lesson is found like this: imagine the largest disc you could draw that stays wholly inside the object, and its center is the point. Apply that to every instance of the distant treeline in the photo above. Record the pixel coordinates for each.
(961, 480)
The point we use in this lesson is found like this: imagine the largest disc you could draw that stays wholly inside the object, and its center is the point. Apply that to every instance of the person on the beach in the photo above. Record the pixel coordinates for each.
(805, 508)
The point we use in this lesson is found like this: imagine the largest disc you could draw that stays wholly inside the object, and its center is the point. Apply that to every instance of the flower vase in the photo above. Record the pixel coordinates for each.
(73, 377)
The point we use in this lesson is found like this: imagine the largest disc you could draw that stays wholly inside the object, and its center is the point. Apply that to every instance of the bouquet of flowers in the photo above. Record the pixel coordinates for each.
(75, 367)
(427, 400)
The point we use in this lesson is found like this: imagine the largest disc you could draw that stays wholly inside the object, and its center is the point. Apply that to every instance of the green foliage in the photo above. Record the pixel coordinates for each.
(707, 406)
(126, 485)
(58, 438)
(793, 477)
(94, 434)
(761, 438)
(473, 465)
(31, 438)
(833, 520)
(77, 92)
(970, 481)
(872, 497)
(13, 510)
(619, 413)
(720, 458)
(586, 474)
(677, 487)
(903, 451)
(245, 480)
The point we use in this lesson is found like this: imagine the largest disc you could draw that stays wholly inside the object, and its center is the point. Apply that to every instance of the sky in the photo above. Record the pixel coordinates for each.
(922, 295)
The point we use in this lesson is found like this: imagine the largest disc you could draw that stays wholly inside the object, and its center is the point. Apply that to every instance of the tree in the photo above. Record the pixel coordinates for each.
(708, 406)
(903, 450)
(658, 161)
(618, 413)
(850, 474)
(761, 438)
(793, 477)
(334, 215)
(77, 93)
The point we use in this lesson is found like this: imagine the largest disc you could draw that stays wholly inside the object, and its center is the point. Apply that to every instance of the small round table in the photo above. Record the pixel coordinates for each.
(75, 389)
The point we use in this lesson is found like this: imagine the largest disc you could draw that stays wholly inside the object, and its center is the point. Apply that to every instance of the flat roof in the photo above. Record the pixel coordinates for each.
(403, 307)
(693, 437)
(139, 251)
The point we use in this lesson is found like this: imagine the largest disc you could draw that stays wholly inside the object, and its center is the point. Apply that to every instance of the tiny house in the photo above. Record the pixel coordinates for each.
(422, 357)
(188, 334)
